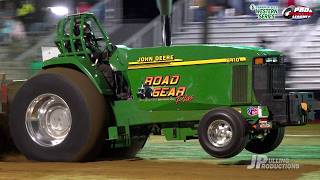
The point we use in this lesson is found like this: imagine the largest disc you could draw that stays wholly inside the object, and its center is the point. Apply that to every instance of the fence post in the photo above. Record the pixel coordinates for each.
(4, 94)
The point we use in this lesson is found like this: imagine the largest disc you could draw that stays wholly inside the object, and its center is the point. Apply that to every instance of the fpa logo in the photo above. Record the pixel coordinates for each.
(297, 12)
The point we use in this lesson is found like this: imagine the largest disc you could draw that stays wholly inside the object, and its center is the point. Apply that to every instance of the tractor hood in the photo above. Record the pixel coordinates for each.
(189, 54)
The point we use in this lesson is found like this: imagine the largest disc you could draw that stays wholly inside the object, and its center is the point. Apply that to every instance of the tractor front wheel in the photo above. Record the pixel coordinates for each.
(222, 133)
(267, 144)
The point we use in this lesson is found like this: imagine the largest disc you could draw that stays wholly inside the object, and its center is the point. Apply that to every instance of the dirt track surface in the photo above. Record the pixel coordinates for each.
(178, 160)
(141, 169)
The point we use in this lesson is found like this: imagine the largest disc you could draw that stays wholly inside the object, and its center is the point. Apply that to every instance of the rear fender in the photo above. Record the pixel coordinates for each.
(82, 65)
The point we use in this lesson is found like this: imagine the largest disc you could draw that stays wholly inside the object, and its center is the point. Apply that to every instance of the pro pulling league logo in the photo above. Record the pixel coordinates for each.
(297, 12)
(156, 87)
(253, 111)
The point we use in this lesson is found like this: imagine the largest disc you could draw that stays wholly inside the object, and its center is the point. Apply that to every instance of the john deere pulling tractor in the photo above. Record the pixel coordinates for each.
(96, 98)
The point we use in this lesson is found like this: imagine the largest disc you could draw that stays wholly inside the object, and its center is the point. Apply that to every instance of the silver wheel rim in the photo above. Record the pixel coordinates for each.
(219, 133)
(48, 120)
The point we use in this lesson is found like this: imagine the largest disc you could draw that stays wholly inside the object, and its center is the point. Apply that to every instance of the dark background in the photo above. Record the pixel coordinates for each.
(133, 9)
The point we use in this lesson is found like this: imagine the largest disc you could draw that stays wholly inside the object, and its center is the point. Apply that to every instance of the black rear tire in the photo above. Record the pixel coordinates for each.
(88, 112)
(139, 137)
(271, 141)
(6, 144)
(128, 152)
(232, 119)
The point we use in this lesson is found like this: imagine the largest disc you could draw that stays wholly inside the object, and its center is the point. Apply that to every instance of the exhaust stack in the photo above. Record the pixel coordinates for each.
(165, 8)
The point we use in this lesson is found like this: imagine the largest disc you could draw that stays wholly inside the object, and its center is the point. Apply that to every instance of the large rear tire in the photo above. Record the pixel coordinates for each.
(270, 142)
(58, 115)
(222, 133)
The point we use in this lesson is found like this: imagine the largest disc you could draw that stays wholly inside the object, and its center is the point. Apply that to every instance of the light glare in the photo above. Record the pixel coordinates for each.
(59, 10)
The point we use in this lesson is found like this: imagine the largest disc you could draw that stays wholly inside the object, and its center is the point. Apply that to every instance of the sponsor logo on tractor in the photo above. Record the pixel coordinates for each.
(253, 111)
(182, 99)
(264, 12)
(155, 59)
(155, 87)
(297, 12)
(264, 162)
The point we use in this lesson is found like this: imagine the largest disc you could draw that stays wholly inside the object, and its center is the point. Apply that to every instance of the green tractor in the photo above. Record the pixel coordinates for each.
(99, 99)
